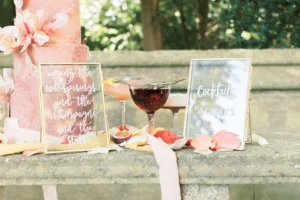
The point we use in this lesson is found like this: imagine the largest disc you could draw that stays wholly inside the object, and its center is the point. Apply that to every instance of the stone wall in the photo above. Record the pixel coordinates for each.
(274, 103)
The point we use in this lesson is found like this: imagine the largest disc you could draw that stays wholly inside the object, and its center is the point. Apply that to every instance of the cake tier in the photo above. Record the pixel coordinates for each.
(25, 98)
(71, 32)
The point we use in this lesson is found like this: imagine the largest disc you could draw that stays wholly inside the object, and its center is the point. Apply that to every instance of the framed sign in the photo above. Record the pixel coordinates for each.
(73, 113)
(218, 92)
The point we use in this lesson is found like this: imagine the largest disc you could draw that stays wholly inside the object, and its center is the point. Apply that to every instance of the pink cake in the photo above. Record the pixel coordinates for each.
(64, 47)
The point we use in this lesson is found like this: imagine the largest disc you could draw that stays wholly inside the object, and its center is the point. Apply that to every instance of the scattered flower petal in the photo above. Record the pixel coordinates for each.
(33, 152)
(167, 136)
(179, 144)
(226, 140)
(259, 139)
(203, 142)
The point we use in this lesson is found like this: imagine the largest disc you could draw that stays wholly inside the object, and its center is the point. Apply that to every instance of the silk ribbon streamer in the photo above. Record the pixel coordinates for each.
(168, 169)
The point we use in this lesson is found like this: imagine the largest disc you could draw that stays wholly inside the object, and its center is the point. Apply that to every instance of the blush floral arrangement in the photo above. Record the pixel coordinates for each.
(30, 28)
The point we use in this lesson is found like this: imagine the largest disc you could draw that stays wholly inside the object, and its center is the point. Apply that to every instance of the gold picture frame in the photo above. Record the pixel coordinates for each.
(212, 70)
(88, 83)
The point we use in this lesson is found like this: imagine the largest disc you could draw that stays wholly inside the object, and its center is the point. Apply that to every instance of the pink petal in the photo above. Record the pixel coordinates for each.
(60, 19)
(8, 51)
(19, 23)
(7, 42)
(202, 143)
(26, 21)
(18, 3)
(12, 31)
(33, 152)
(27, 42)
(28, 31)
(40, 38)
(226, 140)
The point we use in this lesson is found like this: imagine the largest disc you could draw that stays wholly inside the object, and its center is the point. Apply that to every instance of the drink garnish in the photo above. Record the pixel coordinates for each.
(110, 81)
(150, 86)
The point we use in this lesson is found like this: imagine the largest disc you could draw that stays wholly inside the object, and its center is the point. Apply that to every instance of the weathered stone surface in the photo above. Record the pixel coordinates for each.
(202, 192)
(278, 162)
(181, 57)
(271, 111)
(273, 68)
(263, 78)
(88, 192)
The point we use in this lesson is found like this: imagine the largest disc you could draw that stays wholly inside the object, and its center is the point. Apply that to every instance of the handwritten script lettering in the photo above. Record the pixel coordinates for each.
(72, 89)
(216, 91)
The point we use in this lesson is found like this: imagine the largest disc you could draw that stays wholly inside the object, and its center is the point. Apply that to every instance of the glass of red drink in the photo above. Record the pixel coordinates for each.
(150, 98)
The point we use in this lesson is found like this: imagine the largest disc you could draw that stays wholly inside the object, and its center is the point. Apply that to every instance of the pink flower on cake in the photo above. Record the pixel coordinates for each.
(18, 3)
(60, 20)
(8, 41)
(30, 29)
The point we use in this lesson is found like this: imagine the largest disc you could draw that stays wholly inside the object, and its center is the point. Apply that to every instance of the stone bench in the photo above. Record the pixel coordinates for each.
(201, 176)
(274, 108)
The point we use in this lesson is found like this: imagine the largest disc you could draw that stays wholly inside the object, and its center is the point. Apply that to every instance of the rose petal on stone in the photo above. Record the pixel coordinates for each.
(226, 140)
(202, 143)
(259, 139)
(33, 152)
(167, 136)
(179, 144)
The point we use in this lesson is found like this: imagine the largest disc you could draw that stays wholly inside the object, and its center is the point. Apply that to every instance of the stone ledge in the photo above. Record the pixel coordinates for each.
(267, 57)
(278, 162)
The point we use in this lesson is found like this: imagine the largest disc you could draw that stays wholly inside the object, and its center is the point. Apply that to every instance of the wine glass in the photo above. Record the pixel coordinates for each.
(120, 91)
(150, 98)
(174, 103)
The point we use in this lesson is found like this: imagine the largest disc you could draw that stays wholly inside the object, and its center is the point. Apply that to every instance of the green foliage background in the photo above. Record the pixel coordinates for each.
(116, 24)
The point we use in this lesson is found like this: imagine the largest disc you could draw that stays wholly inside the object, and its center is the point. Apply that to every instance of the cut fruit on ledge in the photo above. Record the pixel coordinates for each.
(121, 136)
(110, 81)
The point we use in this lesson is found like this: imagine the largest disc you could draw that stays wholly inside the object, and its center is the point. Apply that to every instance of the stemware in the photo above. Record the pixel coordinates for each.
(150, 98)
(120, 91)
(175, 103)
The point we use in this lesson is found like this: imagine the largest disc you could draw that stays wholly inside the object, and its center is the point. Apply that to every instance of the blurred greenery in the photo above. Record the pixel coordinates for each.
(112, 25)
(116, 24)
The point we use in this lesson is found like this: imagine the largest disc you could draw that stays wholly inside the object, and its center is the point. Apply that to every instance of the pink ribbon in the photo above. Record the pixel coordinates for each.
(168, 169)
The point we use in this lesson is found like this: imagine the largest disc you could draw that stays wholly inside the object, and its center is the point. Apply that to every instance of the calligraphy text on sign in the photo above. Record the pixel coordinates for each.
(216, 91)
(76, 105)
